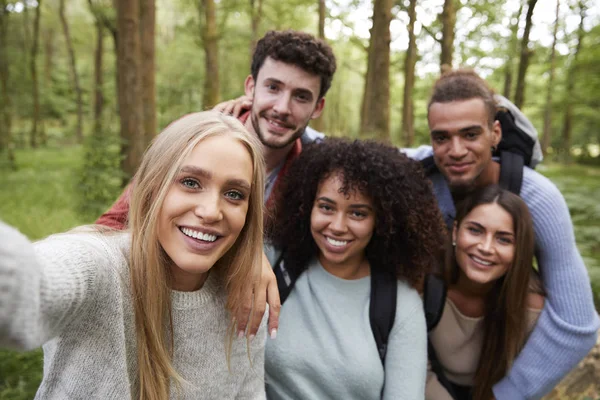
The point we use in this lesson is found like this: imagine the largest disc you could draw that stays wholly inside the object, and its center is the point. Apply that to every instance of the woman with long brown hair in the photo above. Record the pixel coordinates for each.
(145, 314)
(494, 296)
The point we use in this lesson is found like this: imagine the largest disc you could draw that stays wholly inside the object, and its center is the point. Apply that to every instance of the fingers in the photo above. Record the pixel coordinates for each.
(274, 308)
(225, 107)
(260, 305)
(243, 313)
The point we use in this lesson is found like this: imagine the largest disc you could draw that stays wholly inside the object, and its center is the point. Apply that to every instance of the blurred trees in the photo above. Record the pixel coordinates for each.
(201, 56)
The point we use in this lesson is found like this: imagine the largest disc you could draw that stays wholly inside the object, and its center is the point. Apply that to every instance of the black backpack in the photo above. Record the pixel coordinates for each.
(382, 308)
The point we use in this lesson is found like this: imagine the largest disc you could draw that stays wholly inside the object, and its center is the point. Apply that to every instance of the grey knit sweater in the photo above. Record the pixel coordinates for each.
(70, 292)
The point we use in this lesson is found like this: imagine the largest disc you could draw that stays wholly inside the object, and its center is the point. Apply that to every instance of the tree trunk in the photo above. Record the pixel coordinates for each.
(98, 79)
(547, 112)
(34, 140)
(568, 120)
(147, 24)
(5, 102)
(525, 54)
(74, 74)
(448, 22)
(48, 55)
(256, 7)
(319, 123)
(408, 130)
(210, 40)
(514, 39)
(375, 110)
(130, 92)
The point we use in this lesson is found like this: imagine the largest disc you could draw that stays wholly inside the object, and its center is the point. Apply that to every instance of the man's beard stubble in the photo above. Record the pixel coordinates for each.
(255, 124)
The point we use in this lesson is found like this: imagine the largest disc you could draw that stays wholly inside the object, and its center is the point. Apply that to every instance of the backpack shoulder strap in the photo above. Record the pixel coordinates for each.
(511, 171)
(382, 308)
(285, 280)
(434, 299)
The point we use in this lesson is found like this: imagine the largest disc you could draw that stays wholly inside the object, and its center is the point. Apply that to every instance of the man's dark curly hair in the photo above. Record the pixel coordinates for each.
(297, 48)
(409, 233)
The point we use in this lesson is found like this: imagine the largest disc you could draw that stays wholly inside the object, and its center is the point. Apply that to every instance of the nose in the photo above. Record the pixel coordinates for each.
(282, 105)
(486, 245)
(209, 208)
(457, 148)
(338, 224)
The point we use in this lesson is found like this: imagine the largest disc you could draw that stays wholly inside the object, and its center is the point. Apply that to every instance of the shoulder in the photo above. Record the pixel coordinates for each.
(310, 135)
(535, 301)
(418, 153)
(408, 302)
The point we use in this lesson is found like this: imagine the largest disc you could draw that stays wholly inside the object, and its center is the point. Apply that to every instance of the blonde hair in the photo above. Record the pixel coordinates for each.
(149, 272)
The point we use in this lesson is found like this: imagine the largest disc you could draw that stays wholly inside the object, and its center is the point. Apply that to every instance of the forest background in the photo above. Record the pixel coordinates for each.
(85, 85)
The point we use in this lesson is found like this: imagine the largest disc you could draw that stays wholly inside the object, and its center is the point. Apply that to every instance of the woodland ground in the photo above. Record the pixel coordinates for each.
(43, 197)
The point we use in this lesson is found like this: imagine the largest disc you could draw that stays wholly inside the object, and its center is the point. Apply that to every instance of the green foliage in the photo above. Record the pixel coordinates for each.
(100, 176)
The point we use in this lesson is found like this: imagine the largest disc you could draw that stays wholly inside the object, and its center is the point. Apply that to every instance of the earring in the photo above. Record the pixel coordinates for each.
(453, 244)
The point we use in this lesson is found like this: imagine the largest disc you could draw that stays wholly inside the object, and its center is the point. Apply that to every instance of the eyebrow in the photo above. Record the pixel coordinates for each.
(358, 205)
(190, 169)
(483, 227)
(461, 130)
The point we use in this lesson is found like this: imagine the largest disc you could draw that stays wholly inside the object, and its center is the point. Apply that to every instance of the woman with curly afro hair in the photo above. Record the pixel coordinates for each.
(345, 209)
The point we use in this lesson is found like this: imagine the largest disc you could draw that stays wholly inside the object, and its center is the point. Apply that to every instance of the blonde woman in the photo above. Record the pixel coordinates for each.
(145, 314)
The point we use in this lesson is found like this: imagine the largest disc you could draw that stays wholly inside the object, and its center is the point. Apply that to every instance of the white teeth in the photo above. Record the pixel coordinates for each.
(338, 243)
(480, 261)
(199, 235)
(275, 123)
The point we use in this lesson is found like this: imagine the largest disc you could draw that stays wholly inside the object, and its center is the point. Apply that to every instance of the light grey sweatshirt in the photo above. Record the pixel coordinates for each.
(70, 292)
(325, 348)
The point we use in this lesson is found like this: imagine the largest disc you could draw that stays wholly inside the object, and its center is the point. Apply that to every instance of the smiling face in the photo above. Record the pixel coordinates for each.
(485, 244)
(205, 208)
(462, 140)
(341, 225)
(285, 99)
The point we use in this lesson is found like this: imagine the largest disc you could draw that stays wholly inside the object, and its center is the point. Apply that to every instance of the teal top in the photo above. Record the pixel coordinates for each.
(325, 348)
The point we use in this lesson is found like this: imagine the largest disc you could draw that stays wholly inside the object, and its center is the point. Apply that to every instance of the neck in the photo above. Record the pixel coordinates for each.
(273, 157)
(350, 270)
(489, 176)
(186, 282)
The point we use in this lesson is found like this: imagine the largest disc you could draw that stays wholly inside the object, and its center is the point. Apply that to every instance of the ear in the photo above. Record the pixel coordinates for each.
(454, 232)
(249, 86)
(496, 133)
(318, 108)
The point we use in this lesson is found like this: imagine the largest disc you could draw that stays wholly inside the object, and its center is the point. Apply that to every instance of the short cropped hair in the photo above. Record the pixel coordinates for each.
(464, 84)
(301, 49)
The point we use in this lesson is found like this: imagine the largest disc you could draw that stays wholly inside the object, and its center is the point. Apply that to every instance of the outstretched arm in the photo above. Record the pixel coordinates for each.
(567, 327)
(44, 286)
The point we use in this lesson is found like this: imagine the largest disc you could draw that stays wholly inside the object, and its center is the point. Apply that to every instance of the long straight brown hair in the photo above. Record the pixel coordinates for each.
(505, 320)
(149, 264)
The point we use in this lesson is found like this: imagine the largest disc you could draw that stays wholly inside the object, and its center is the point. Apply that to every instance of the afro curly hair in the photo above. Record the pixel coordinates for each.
(409, 235)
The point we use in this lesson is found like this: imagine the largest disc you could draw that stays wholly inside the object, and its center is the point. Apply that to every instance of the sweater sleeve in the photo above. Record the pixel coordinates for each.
(567, 327)
(117, 216)
(406, 358)
(253, 387)
(44, 285)
(434, 389)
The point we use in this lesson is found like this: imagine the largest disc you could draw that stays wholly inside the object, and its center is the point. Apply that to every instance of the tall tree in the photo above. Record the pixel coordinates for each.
(319, 123)
(375, 110)
(512, 48)
(73, 66)
(568, 120)
(130, 91)
(525, 55)
(147, 24)
(5, 102)
(98, 78)
(35, 137)
(448, 18)
(408, 129)
(256, 13)
(548, 109)
(210, 40)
